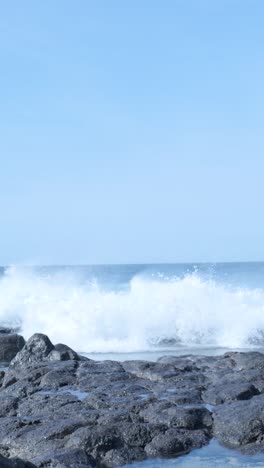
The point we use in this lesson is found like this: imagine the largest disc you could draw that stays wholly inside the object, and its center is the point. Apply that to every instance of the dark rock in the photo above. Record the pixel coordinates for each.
(59, 411)
(122, 456)
(75, 458)
(8, 406)
(8, 330)
(2, 376)
(139, 434)
(175, 442)
(246, 361)
(36, 349)
(14, 463)
(165, 445)
(240, 423)
(153, 371)
(59, 375)
(97, 440)
(181, 363)
(56, 407)
(10, 345)
(62, 352)
(226, 392)
(176, 416)
(180, 396)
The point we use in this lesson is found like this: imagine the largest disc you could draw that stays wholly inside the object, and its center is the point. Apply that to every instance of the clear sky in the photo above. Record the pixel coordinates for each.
(131, 131)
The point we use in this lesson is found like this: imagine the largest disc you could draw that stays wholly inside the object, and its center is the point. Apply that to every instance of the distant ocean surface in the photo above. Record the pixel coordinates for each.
(139, 311)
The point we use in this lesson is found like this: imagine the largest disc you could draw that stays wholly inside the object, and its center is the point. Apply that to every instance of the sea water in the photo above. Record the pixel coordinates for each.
(210, 456)
(142, 312)
(138, 311)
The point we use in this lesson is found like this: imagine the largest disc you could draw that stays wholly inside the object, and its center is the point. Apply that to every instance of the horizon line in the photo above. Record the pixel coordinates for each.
(55, 265)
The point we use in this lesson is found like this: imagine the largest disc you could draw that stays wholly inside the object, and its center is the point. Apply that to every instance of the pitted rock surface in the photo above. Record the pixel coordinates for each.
(60, 410)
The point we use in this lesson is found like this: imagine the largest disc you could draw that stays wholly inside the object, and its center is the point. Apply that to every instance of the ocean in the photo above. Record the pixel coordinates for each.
(138, 311)
(143, 312)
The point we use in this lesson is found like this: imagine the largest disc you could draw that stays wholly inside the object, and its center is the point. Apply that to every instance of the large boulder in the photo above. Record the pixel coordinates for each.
(175, 442)
(38, 349)
(10, 345)
(240, 423)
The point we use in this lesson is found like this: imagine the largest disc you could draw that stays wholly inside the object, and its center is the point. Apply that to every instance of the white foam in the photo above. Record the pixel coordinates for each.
(192, 310)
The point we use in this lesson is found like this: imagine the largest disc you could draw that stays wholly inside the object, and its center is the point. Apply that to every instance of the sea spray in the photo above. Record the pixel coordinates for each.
(149, 313)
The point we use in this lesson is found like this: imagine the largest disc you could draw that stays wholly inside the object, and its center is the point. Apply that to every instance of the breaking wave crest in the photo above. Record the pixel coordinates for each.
(149, 314)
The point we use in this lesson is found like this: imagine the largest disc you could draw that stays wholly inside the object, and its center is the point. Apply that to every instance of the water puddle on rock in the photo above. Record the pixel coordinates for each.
(144, 396)
(3, 367)
(213, 455)
(80, 395)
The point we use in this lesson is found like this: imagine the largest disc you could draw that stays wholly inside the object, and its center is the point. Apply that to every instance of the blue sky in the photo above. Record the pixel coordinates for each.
(131, 131)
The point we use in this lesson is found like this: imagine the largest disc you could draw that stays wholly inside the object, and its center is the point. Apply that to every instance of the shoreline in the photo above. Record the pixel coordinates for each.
(60, 409)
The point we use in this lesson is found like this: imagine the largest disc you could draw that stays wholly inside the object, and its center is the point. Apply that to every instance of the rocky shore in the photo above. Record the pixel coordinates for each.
(58, 409)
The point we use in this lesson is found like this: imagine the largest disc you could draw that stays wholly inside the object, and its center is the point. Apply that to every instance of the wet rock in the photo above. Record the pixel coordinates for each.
(92, 375)
(62, 352)
(57, 410)
(8, 330)
(181, 363)
(58, 375)
(75, 458)
(246, 361)
(226, 392)
(165, 445)
(2, 376)
(176, 416)
(14, 463)
(175, 442)
(240, 423)
(10, 345)
(183, 396)
(40, 349)
(122, 456)
(153, 371)
(36, 349)
(8, 406)
(97, 440)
